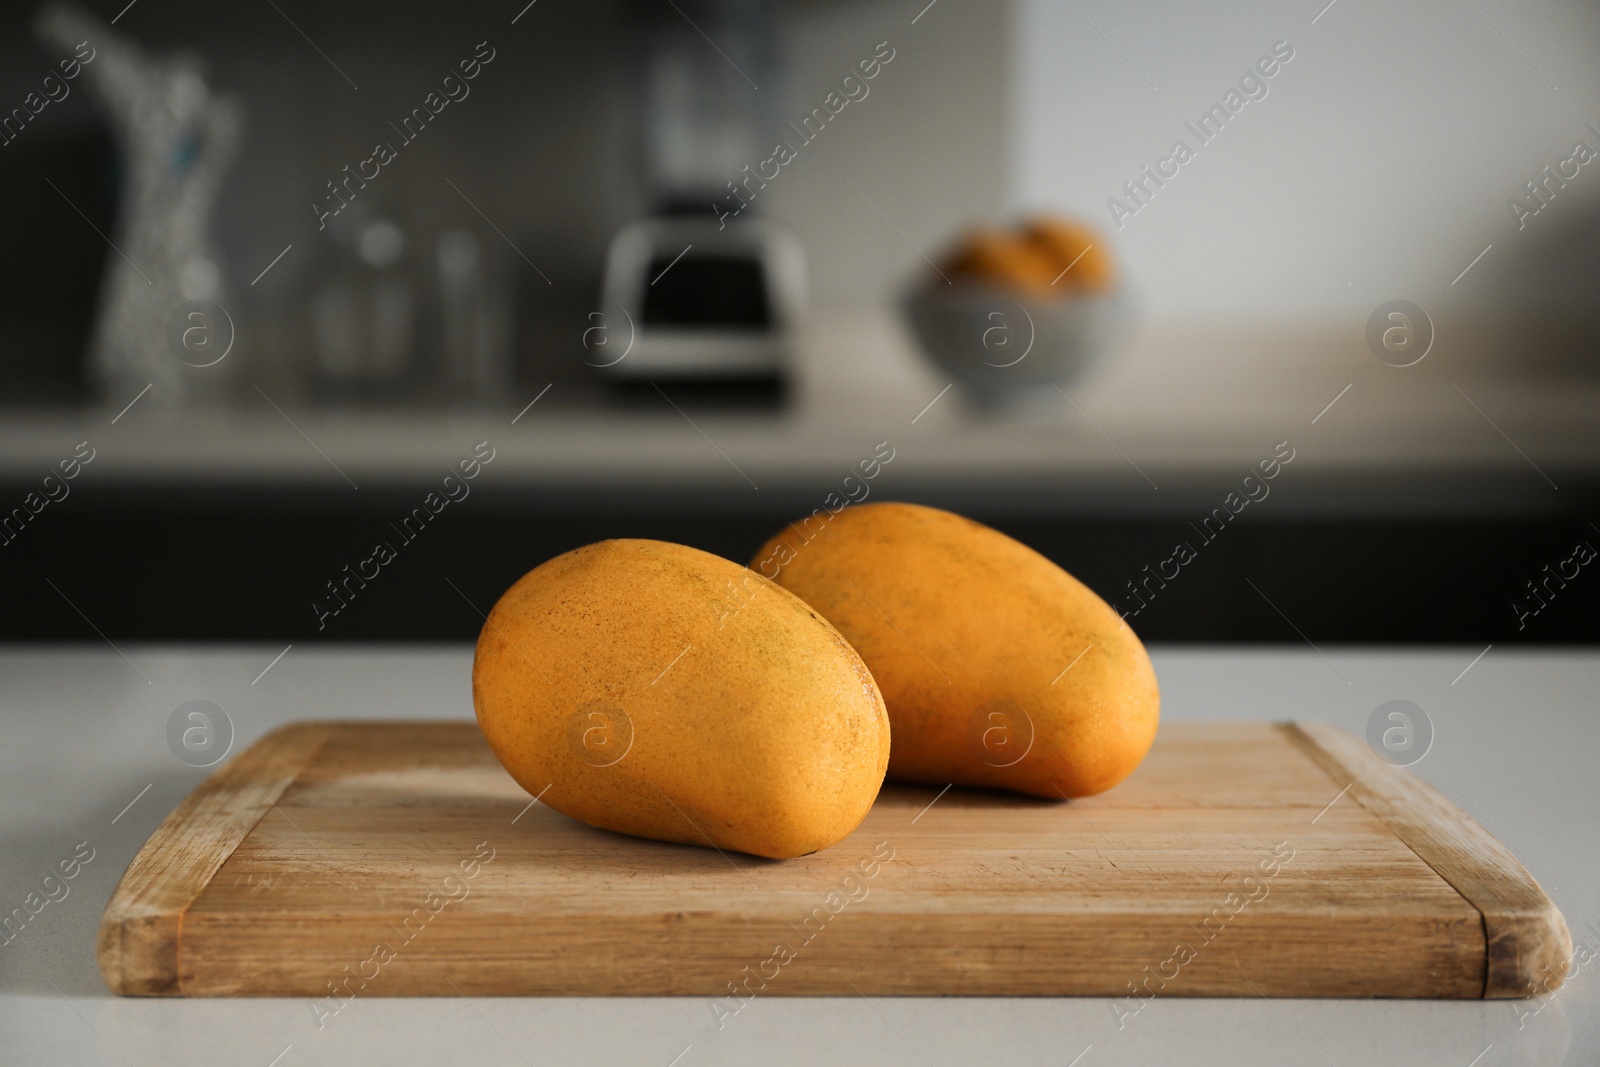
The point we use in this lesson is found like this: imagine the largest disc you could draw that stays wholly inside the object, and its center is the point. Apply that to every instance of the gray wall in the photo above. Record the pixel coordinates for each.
(928, 146)
(1391, 142)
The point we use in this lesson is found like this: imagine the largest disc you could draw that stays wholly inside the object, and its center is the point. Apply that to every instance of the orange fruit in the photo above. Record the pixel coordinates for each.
(1004, 259)
(998, 668)
(661, 691)
(1074, 249)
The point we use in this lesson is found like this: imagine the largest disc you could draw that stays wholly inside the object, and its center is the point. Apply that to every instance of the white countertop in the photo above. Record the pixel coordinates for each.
(1188, 408)
(1515, 744)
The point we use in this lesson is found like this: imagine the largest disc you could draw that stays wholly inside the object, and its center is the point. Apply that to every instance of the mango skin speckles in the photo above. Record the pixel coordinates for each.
(998, 668)
(657, 690)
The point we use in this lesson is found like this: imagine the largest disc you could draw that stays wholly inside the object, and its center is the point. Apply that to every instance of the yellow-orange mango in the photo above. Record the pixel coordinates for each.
(998, 667)
(661, 691)
(1005, 258)
(1079, 257)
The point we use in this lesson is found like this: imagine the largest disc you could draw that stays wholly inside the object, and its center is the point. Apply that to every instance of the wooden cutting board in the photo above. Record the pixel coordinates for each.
(335, 859)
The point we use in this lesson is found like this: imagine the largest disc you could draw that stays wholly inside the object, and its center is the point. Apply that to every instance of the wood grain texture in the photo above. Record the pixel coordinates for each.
(1528, 945)
(400, 859)
(138, 942)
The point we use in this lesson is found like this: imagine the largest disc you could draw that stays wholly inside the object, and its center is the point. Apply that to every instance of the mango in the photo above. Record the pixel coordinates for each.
(1005, 259)
(1076, 250)
(1044, 257)
(998, 668)
(657, 690)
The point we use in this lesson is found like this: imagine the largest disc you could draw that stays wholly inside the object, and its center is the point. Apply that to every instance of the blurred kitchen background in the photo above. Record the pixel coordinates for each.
(286, 385)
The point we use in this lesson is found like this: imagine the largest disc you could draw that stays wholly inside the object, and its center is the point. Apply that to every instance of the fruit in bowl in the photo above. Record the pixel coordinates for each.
(1018, 309)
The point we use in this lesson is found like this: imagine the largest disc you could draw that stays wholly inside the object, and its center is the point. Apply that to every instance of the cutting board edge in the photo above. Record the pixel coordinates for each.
(138, 943)
(1525, 940)
(1527, 946)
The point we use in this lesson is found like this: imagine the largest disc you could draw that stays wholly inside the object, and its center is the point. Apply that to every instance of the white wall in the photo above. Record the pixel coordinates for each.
(1392, 140)
(927, 146)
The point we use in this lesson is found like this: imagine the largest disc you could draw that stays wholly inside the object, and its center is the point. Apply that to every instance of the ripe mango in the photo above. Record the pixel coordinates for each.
(1044, 257)
(998, 667)
(1004, 258)
(661, 691)
(1078, 255)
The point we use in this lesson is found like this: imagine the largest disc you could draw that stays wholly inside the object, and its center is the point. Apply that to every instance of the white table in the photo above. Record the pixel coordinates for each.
(1406, 443)
(84, 734)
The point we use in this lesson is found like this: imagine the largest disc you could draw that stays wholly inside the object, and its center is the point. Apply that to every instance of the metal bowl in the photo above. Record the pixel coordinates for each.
(1000, 343)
